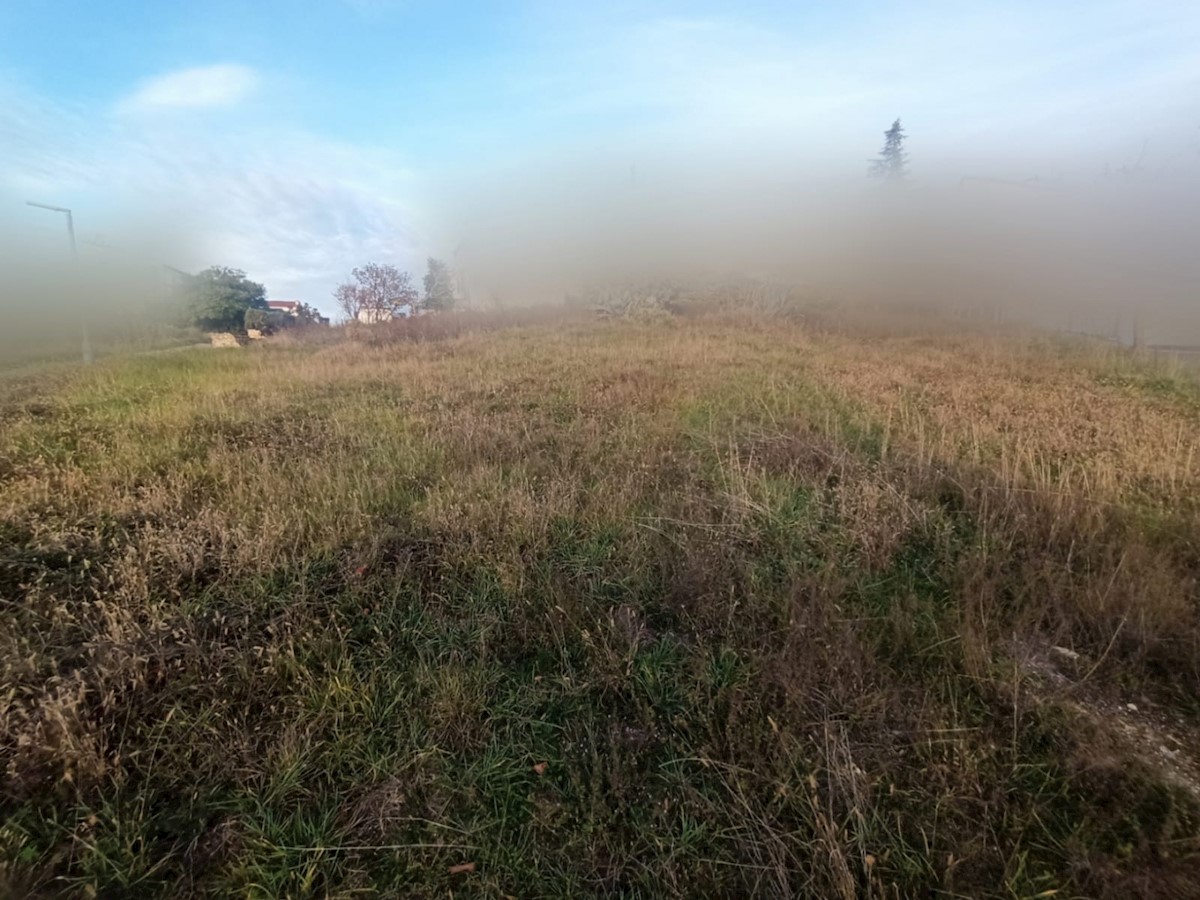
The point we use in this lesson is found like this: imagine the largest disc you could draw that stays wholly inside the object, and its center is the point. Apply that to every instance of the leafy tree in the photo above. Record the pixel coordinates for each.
(892, 163)
(217, 298)
(380, 288)
(439, 286)
(278, 321)
(307, 315)
(259, 319)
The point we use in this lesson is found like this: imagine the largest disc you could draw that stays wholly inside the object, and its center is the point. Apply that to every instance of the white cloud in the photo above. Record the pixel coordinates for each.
(196, 88)
(295, 210)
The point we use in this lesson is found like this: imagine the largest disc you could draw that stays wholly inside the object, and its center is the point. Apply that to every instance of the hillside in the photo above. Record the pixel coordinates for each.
(684, 608)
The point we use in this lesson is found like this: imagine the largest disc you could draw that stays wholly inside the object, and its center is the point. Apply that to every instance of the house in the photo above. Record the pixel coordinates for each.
(370, 315)
(293, 308)
(288, 307)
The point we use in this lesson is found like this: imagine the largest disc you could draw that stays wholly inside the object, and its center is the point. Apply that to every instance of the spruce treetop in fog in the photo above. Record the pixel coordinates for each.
(892, 163)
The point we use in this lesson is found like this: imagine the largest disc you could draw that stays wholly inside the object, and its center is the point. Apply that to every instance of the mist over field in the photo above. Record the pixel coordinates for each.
(1065, 253)
(118, 287)
(1053, 252)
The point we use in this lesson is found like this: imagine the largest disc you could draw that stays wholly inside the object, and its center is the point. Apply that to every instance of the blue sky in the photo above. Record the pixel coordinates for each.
(298, 139)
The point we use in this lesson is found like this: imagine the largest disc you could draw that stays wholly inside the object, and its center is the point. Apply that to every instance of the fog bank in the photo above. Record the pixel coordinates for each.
(1085, 253)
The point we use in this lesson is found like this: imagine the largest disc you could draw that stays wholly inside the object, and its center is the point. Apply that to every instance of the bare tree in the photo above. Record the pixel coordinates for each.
(378, 291)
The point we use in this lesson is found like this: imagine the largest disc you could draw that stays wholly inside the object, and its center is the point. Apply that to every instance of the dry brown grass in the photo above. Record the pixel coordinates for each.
(774, 603)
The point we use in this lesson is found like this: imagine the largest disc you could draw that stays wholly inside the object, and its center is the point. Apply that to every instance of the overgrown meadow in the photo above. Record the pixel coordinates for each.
(695, 607)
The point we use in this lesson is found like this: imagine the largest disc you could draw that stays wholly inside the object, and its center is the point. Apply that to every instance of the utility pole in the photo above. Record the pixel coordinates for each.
(88, 356)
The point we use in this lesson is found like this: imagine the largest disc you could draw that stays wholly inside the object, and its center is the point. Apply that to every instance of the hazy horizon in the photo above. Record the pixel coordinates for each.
(296, 146)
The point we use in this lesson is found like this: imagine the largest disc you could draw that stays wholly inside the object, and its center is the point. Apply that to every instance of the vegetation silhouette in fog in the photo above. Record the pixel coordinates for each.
(439, 286)
(892, 163)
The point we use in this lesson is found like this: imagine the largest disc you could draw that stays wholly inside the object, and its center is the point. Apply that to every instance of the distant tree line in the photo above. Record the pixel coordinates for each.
(223, 299)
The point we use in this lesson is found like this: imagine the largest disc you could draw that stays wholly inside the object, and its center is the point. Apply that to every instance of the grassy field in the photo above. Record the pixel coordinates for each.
(690, 608)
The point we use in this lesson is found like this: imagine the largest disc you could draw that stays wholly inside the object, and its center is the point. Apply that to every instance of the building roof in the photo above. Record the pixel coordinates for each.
(282, 304)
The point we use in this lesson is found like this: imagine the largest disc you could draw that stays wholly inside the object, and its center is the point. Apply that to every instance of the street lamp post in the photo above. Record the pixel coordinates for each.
(88, 356)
